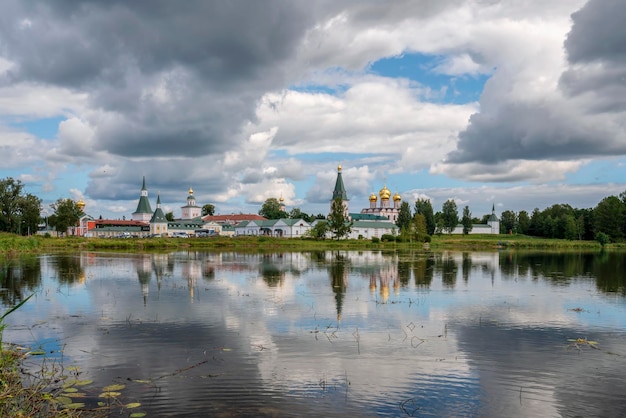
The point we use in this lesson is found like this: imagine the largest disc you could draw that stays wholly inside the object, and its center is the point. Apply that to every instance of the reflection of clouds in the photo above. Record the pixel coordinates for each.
(434, 344)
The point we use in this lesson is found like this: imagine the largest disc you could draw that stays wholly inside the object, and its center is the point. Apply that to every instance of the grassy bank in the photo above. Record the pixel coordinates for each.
(12, 244)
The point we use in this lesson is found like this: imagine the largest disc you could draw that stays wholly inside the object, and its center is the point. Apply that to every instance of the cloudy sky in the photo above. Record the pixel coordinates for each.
(518, 104)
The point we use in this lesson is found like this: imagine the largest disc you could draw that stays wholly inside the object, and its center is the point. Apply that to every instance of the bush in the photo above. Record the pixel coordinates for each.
(375, 240)
(388, 238)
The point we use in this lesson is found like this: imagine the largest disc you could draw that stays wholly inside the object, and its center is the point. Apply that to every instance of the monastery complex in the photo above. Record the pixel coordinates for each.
(373, 221)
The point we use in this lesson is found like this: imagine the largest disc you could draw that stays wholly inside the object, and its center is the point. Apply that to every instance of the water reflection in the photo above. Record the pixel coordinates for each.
(335, 333)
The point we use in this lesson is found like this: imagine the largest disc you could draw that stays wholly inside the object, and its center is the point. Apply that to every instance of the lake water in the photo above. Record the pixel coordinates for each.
(336, 333)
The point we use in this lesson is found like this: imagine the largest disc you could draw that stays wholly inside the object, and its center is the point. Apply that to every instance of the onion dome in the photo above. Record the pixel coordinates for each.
(396, 197)
(384, 193)
(373, 197)
(339, 167)
(281, 200)
(80, 204)
(190, 190)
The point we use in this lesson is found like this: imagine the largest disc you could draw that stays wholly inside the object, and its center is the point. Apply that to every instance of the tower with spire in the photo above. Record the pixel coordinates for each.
(340, 192)
(158, 222)
(144, 211)
(493, 221)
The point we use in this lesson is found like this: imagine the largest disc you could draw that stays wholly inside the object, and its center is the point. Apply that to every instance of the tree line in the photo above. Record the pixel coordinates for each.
(21, 213)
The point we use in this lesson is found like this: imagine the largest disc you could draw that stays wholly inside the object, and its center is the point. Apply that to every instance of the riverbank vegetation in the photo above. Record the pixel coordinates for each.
(14, 244)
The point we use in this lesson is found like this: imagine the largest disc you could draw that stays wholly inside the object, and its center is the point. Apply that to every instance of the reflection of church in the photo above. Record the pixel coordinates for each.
(385, 209)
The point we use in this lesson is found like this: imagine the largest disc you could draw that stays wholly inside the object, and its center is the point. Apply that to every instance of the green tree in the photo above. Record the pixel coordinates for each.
(67, 213)
(296, 213)
(338, 222)
(466, 220)
(30, 213)
(425, 207)
(319, 230)
(404, 217)
(169, 216)
(419, 227)
(508, 221)
(523, 222)
(208, 210)
(609, 217)
(271, 209)
(449, 216)
(10, 195)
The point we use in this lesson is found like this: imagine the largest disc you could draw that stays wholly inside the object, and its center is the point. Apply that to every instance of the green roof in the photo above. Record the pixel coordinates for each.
(144, 204)
(368, 217)
(158, 216)
(340, 191)
(374, 224)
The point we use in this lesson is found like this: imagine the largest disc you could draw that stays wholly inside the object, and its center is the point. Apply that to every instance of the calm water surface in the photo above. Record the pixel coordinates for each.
(333, 333)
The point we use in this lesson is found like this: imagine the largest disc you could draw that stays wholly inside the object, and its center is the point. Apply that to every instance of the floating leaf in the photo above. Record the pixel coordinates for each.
(112, 388)
(73, 368)
(70, 390)
(80, 382)
(100, 403)
(107, 395)
(133, 405)
(76, 405)
(137, 414)
(37, 353)
(75, 395)
(63, 400)
(142, 381)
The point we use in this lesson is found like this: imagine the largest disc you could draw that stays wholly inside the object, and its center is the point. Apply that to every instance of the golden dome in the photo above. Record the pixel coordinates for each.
(396, 197)
(190, 190)
(384, 193)
(281, 199)
(373, 197)
(80, 204)
(339, 167)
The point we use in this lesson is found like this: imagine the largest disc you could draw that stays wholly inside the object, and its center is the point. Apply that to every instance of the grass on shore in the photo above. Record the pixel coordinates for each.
(12, 244)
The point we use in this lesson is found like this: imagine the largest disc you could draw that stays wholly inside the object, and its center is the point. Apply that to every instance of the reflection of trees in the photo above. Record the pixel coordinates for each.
(18, 279)
(466, 266)
(610, 272)
(423, 269)
(339, 280)
(404, 271)
(68, 268)
(448, 271)
(272, 275)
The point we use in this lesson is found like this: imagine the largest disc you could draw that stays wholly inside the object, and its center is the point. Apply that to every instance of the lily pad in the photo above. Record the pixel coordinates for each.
(132, 405)
(137, 414)
(63, 400)
(112, 388)
(107, 395)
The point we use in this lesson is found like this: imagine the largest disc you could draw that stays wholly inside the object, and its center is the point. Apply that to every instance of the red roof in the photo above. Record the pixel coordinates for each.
(233, 219)
(117, 222)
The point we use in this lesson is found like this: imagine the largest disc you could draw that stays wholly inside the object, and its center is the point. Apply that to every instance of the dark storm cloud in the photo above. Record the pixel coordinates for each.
(210, 60)
(596, 48)
(585, 127)
(598, 33)
(519, 131)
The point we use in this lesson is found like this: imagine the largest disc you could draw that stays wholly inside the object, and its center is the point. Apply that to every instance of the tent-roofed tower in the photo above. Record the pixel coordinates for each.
(340, 192)
(493, 221)
(144, 211)
(158, 222)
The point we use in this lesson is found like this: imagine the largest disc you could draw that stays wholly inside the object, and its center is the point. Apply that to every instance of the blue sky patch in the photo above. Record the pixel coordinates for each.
(421, 69)
(46, 128)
